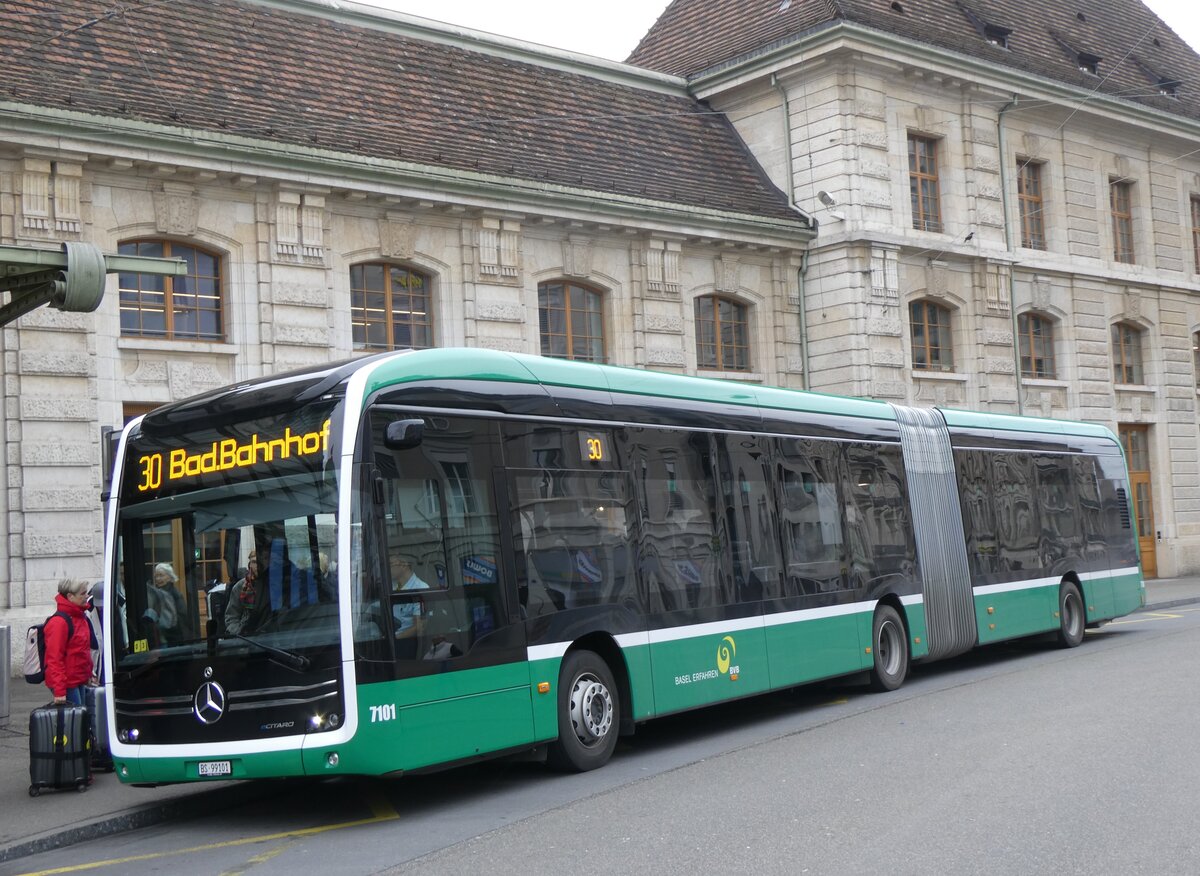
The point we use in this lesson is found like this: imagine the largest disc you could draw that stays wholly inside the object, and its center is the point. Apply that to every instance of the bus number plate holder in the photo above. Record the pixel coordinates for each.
(210, 768)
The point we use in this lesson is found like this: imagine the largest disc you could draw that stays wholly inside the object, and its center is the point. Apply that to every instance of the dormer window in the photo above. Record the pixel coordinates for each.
(996, 35)
(1168, 87)
(1089, 64)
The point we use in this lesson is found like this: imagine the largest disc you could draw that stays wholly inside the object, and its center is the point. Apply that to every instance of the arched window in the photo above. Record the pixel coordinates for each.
(187, 307)
(722, 334)
(932, 342)
(571, 319)
(390, 308)
(1127, 353)
(1037, 345)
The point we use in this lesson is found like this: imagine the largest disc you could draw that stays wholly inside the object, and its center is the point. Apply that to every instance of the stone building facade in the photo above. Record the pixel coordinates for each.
(1020, 182)
(1009, 216)
(280, 235)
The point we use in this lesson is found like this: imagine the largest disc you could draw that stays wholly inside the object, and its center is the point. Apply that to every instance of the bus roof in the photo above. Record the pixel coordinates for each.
(492, 365)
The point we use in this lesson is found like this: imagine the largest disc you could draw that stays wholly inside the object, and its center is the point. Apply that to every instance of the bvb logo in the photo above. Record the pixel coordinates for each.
(726, 651)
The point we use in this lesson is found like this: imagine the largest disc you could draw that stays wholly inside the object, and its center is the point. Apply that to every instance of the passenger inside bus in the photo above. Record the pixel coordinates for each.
(407, 613)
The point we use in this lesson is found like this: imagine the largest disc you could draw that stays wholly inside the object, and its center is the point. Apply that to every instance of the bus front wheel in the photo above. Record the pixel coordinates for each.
(588, 714)
(1071, 617)
(889, 646)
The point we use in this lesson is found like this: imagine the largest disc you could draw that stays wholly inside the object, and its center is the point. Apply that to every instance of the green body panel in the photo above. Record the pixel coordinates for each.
(1128, 593)
(167, 770)
(708, 668)
(1098, 597)
(1016, 612)
(545, 716)
(439, 716)
(820, 648)
(454, 729)
(641, 673)
(918, 631)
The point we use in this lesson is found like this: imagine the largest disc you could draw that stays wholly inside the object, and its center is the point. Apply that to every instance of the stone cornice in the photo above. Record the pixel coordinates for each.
(1001, 79)
(43, 128)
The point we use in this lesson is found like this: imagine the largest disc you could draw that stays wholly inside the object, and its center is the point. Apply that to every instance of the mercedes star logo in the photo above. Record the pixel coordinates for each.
(209, 703)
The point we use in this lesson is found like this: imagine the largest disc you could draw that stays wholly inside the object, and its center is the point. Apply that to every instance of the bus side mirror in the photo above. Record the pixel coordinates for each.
(403, 434)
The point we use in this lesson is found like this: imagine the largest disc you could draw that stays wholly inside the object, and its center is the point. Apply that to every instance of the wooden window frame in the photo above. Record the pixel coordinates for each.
(1120, 200)
(1196, 357)
(1040, 366)
(1128, 353)
(1195, 204)
(360, 313)
(572, 331)
(136, 298)
(923, 185)
(724, 354)
(926, 347)
(1032, 205)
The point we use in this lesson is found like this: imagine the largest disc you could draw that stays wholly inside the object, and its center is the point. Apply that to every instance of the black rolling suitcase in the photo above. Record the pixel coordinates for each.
(95, 698)
(60, 748)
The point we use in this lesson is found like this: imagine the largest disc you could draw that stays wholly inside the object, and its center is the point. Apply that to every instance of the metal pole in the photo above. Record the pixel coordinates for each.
(5, 672)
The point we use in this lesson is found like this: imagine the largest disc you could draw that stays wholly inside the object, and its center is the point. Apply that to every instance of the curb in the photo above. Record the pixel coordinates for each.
(145, 815)
(1174, 603)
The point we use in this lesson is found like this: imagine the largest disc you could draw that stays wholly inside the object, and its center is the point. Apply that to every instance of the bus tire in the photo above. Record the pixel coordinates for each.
(1071, 617)
(589, 717)
(889, 647)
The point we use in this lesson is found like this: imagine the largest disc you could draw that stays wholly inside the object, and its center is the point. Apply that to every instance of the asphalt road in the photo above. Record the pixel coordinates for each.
(1015, 759)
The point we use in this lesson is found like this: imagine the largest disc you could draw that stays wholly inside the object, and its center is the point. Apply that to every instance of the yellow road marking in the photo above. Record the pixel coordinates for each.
(257, 859)
(1146, 618)
(382, 810)
(840, 702)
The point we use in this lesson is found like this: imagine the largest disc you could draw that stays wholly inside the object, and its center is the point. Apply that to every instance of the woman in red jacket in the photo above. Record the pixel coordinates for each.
(69, 657)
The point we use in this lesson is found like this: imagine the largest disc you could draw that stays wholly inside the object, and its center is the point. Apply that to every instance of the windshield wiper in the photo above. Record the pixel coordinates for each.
(286, 659)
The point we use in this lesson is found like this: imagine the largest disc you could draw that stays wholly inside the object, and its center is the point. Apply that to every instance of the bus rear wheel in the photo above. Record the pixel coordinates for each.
(588, 714)
(1071, 617)
(889, 646)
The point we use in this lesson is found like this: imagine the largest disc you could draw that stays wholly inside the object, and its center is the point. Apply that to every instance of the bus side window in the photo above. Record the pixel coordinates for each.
(571, 516)
(814, 541)
(441, 536)
(682, 533)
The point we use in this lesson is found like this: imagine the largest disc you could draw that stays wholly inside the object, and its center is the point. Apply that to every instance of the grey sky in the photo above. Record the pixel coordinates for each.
(611, 29)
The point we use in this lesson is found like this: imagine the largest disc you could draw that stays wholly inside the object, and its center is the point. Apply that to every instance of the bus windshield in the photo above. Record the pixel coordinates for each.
(231, 553)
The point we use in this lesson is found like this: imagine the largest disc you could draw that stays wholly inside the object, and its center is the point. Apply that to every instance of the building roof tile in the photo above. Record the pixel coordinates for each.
(1139, 57)
(301, 75)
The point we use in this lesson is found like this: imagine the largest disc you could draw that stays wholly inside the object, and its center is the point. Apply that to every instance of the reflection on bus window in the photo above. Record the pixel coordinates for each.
(442, 537)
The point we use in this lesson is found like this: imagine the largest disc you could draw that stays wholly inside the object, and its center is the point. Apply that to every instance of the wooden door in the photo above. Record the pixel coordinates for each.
(1136, 440)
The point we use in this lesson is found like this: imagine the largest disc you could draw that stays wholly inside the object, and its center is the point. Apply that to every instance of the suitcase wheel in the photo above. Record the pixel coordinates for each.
(34, 791)
(81, 786)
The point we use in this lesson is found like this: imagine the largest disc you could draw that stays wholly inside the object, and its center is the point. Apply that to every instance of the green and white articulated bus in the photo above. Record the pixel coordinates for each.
(460, 554)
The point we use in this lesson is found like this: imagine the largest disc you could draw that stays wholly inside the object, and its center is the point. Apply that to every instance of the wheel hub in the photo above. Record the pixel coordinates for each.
(591, 709)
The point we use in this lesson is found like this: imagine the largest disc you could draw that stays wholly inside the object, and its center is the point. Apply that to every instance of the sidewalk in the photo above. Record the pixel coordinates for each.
(55, 819)
(60, 818)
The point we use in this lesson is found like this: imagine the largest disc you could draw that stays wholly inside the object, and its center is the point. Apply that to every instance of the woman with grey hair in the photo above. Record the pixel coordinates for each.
(165, 606)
